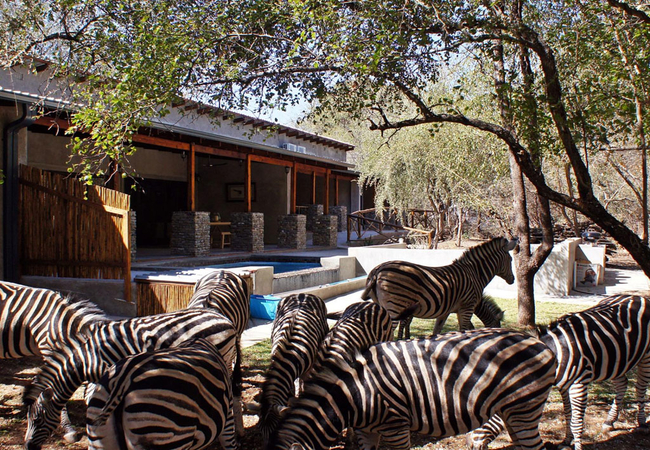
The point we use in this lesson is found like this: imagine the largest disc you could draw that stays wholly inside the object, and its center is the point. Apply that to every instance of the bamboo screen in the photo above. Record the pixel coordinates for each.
(69, 229)
(156, 297)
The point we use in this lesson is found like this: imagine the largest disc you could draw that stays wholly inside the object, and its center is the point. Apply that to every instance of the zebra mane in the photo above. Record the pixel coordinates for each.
(469, 254)
(83, 306)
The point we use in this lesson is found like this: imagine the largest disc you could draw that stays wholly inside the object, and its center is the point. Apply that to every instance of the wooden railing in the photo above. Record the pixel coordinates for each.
(359, 223)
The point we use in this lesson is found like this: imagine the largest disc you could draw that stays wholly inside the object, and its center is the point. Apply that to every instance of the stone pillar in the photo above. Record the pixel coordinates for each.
(191, 233)
(313, 211)
(292, 231)
(325, 231)
(342, 213)
(247, 232)
(132, 232)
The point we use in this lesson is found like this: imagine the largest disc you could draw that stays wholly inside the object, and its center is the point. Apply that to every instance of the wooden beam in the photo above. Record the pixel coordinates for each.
(313, 188)
(191, 180)
(326, 204)
(247, 184)
(306, 168)
(219, 152)
(336, 190)
(271, 160)
(294, 187)
(160, 142)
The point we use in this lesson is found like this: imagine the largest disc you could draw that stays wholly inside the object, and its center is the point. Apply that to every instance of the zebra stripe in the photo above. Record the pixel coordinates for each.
(35, 321)
(436, 292)
(603, 342)
(227, 293)
(63, 372)
(298, 329)
(38, 321)
(443, 386)
(169, 398)
(487, 310)
(362, 324)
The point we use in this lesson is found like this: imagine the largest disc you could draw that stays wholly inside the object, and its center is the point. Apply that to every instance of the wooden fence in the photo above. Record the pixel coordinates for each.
(69, 229)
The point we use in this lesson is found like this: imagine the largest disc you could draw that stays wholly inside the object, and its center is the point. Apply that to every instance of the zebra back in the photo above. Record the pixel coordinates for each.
(172, 398)
(299, 327)
(439, 387)
(227, 293)
(600, 343)
(64, 371)
(362, 324)
(603, 342)
(36, 321)
(435, 292)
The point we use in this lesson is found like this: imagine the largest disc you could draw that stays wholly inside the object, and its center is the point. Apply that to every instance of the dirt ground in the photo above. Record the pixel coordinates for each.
(15, 374)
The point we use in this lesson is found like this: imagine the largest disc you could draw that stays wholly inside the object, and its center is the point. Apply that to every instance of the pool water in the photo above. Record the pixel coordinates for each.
(278, 267)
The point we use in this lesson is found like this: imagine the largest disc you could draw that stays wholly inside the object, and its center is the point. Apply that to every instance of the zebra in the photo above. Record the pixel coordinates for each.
(64, 371)
(299, 327)
(361, 325)
(436, 292)
(227, 293)
(601, 343)
(35, 322)
(442, 386)
(169, 398)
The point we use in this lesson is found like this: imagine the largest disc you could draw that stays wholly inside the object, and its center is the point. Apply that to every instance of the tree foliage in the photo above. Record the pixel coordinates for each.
(587, 82)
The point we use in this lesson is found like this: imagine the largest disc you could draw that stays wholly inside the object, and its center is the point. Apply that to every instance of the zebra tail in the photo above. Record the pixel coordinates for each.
(370, 292)
(408, 312)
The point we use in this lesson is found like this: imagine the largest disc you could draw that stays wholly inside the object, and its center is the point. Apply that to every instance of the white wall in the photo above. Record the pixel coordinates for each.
(555, 277)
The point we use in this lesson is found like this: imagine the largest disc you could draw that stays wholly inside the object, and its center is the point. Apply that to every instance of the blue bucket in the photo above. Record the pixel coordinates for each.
(264, 306)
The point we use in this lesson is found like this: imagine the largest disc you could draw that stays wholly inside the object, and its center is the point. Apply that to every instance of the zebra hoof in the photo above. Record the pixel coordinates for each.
(71, 437)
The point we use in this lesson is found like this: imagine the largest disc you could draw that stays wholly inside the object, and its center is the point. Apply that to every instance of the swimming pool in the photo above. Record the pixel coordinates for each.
(278, 266)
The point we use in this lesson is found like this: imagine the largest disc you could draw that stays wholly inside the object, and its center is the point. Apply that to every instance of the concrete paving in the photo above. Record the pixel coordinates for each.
(617, 281)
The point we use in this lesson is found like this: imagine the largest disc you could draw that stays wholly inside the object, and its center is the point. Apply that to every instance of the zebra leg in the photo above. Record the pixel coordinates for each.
(642, 380)
(70, 435)
(578, 399)
(237, 390)
(568, 434)
(404, 329)
(228, 438)
(480, 438)
(620, 385)
(465, 319)
(440, 322)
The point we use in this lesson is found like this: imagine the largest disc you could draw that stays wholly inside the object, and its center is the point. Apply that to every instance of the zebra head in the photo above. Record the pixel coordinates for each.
(42, 418)
(504, 265)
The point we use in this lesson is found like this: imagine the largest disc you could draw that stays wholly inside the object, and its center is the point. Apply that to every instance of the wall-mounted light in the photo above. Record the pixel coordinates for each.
(183, 155)
(287, 169)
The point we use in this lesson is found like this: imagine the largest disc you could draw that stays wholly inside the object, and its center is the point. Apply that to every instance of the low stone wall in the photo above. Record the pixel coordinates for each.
(247, 232)
(292, 231)
(190, 233)
(313, 211)
(325, 231)
(342, 213)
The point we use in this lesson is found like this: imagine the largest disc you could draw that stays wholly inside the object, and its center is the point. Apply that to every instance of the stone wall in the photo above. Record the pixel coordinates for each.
(190, 233)
(325, 231)
(313, 211)
(292, 231)
(342, 213)
(247, 232)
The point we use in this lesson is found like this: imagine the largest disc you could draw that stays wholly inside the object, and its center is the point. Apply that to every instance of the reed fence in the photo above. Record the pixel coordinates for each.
(69, 229)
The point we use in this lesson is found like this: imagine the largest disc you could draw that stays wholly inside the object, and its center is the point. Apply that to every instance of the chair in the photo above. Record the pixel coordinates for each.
(225, 238)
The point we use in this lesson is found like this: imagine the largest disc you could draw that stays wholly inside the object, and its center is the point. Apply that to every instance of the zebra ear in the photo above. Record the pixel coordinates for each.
(510, 245)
